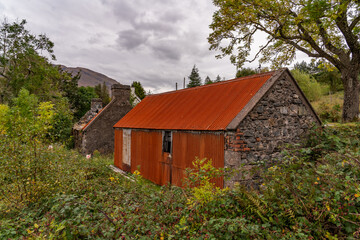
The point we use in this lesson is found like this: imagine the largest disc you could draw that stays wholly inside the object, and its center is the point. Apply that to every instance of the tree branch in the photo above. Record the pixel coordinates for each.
(327, 43)
(353, 24)
(350, 38)
(260, 50)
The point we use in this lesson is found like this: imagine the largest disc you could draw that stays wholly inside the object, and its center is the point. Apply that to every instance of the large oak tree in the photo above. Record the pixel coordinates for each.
(325, 29)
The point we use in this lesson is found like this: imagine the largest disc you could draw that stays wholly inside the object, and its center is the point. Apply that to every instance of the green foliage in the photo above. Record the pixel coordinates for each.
(331, 78)
(23, 134)
(20, 62)
(23, 67)
(82, 101)
(313, 193)
(310, 87)
(311, 27)
(103, 93)
(322, 74)
(62, 122)
(194, 78)
(322, 29)
(199, 180)
(245, 72)
(311, 68)
(139, 90)
(329, 113)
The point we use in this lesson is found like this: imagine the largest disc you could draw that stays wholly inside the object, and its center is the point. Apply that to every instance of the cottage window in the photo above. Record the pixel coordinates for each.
(167, 142)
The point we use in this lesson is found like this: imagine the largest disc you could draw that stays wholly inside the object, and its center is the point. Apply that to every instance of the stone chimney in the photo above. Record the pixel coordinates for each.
(96, 104)
(120, 92)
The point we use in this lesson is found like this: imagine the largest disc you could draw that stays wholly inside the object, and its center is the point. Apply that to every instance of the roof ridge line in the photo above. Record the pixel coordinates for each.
(219, 83)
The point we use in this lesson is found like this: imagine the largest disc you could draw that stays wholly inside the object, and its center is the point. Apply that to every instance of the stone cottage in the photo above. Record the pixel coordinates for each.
(236, 123)
(94, 131)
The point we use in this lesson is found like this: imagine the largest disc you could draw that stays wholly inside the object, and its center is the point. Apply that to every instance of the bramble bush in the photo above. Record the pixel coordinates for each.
(329, 113)
(313, 193)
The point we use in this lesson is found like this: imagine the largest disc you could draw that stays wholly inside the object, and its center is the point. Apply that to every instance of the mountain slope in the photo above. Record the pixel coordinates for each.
(90, 77)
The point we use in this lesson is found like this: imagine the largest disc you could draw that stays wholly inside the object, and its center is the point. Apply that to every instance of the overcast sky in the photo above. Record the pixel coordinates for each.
(156, 42)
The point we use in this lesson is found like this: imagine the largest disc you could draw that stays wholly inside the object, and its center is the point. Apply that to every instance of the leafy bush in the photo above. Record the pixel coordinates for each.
(311, 88)
(314, 193)
(329, 113)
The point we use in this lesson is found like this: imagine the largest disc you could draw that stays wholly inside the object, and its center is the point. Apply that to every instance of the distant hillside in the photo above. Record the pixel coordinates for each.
(89, 77)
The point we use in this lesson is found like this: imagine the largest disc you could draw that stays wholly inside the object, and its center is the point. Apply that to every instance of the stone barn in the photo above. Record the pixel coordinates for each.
(95, 131)
(236, 123)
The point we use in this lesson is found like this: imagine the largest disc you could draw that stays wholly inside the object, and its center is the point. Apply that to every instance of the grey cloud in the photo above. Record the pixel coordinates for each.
(167, 49)
(96, 38)
(130, 39)
(122, 10)
(172, 16)
(153, 80)
(157, 27)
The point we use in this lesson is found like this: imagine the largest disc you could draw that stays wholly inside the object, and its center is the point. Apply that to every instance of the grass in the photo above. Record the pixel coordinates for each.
(331, 99)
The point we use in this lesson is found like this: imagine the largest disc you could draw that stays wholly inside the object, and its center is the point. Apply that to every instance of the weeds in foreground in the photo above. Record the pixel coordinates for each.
(313, 193)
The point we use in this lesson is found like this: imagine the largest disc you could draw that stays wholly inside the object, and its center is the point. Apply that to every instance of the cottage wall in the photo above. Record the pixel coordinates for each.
(280, 117)
(99, 134)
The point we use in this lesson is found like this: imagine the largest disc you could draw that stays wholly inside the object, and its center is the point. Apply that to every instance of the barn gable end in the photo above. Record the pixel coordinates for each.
(280, 116)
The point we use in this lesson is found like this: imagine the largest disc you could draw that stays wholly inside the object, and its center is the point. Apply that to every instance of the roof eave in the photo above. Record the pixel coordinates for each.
(254, 100)
(262, 91)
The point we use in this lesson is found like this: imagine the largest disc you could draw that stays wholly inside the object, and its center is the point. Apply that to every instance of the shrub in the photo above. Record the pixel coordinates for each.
(329, 113)
(311, 88)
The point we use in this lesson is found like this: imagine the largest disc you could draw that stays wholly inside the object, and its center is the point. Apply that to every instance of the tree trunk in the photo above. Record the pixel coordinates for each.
(351, 95)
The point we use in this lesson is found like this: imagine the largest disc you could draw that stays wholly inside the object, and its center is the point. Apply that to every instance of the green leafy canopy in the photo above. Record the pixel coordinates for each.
(320, 28)
(323, 29)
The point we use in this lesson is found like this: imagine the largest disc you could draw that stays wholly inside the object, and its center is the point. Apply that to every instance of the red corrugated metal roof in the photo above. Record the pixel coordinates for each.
(208, 107)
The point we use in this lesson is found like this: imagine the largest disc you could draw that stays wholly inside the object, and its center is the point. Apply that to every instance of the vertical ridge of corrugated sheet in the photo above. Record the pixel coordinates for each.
(208, 107)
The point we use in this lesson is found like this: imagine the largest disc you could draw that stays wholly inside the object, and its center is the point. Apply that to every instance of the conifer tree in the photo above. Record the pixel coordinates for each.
(194, 78)
(139, 90)
(208, 80)
(218, 78)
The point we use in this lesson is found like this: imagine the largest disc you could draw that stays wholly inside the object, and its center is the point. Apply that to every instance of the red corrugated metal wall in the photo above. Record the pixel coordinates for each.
(146, 152)
(188, 145)
(118, 148)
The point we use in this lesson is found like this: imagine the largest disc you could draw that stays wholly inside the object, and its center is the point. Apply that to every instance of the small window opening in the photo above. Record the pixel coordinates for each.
(167, 142)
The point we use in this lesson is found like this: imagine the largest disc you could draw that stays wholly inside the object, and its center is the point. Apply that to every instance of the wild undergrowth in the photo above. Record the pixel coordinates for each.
(313, 193)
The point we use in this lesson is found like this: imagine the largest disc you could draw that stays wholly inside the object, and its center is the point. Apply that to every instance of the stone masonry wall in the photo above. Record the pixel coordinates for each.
(280, 117)
(99, 134)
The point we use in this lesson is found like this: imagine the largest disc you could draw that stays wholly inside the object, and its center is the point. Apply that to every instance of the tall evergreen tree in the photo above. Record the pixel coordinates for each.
(218, 78)
(208, 80)
(194, 78)
(139, 90)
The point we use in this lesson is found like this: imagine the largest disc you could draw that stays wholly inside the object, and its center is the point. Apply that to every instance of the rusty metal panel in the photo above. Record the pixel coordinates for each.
(118, 146)
(188, 145)
(209, 107)
(146, 154)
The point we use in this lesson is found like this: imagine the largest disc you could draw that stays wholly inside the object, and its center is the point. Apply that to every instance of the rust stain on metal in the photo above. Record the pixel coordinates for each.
(118, 146)
(189, 145)
(208, 107)
(146, 154)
